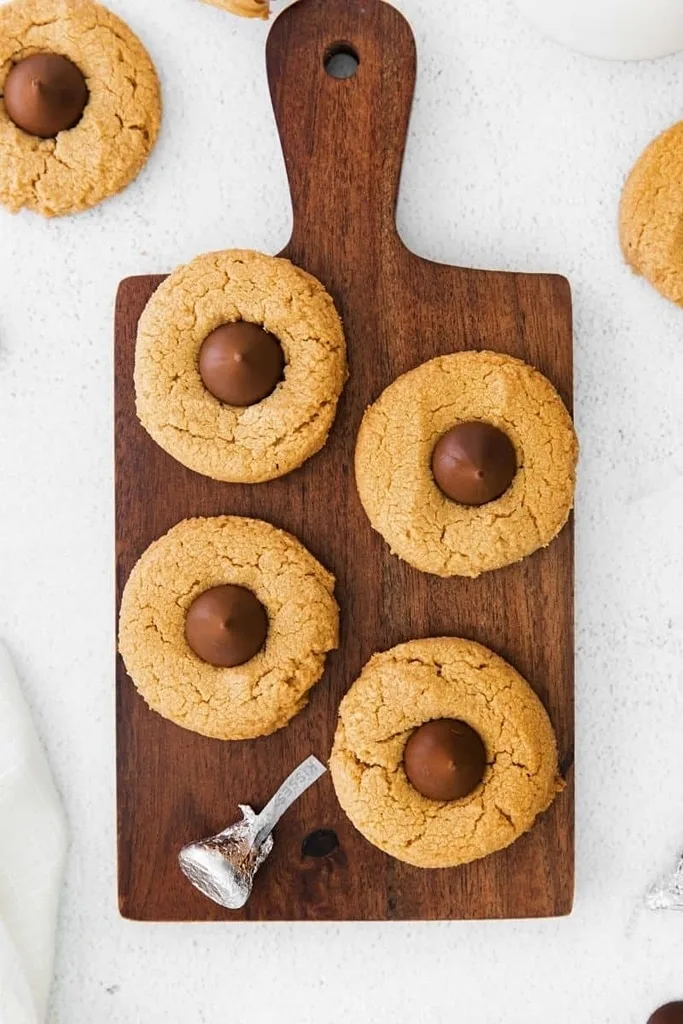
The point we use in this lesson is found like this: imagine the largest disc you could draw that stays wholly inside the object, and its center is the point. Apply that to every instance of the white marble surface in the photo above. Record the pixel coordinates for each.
(516, 155)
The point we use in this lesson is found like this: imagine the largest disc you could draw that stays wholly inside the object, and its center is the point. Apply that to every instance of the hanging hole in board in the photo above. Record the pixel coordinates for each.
(341, 60)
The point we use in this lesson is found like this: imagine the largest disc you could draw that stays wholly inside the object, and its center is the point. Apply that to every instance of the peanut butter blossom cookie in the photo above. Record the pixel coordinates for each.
(80, 107)
(225, 624)
(443, 754)
(651, 214)
(467, 463)
(239, 364)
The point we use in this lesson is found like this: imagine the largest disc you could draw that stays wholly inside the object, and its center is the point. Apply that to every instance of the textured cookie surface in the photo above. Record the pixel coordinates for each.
(113, 139)
(259, 442)
(393, 463)
(262, 695)
(651, 214)
(414, 683)
(244, 8)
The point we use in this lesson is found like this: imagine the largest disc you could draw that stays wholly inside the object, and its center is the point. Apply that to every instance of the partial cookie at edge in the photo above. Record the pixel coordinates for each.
(243, 8)
(651, 214)
(120, 124)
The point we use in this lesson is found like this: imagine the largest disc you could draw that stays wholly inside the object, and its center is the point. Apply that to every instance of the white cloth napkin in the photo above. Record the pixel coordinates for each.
(32, 850)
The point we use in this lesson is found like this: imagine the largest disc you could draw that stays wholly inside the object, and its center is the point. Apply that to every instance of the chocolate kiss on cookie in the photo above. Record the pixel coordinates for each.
(445, 759)
(241, 363)
(226, 626)
(45, 94)
(474, 463)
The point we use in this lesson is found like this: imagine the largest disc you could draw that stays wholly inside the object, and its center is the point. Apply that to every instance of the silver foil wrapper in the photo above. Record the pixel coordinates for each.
(667, 894)
(223, 867)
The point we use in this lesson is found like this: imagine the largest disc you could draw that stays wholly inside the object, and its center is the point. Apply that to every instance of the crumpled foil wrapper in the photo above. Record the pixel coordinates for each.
(667, 894)
(223, 867)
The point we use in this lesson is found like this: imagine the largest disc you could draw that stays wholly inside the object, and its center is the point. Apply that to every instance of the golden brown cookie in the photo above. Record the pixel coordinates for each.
(112, 140)
(243, 8)
(257, 442)
(262, 695)
(418, 682)
(393, 463)
(651, 214)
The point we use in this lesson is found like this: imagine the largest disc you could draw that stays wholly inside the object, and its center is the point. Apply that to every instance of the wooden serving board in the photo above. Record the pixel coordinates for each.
(343, 143)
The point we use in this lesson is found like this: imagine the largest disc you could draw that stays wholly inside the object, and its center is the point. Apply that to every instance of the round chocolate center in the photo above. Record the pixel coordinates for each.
(45, 94)
(445, 759)
(672, 1013)
(474, 463)
(226, 626)
(241, 363)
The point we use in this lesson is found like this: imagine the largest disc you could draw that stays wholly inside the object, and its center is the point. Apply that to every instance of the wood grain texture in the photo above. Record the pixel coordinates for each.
(343, 143)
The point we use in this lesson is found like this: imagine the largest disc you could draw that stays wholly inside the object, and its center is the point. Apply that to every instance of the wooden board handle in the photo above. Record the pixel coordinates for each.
(343, 139)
